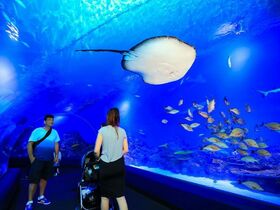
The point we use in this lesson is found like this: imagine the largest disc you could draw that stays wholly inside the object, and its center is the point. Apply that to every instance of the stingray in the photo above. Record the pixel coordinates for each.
(159, 60)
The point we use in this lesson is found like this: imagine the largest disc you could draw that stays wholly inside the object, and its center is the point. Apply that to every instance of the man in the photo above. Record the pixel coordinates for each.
(41, 159)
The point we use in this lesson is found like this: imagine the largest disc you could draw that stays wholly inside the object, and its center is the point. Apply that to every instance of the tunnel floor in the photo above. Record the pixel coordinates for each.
(62, 192)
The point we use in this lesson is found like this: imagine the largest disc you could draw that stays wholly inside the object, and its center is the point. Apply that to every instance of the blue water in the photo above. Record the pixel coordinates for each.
(237, 47)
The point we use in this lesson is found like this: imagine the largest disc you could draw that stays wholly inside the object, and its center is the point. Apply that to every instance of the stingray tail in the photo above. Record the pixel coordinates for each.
(102, 50)
(264, 94)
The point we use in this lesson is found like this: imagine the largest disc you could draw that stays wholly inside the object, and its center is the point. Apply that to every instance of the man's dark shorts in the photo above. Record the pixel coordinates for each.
(40, 169)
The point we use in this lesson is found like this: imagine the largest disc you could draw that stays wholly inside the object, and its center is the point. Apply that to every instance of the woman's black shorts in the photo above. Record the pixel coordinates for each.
(112, 178)
(40, 169)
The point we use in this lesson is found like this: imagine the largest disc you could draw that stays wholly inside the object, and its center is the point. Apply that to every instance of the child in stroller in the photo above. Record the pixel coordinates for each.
(89, 191)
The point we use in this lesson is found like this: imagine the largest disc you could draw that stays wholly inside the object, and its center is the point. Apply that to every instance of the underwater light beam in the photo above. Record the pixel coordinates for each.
(238, 58)
(7, 75)
(124, 107)
(6, 71)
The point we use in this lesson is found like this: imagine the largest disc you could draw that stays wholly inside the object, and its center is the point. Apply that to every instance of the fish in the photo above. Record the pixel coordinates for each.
(190, 113)
(225, 29)
(44, 29)
(248, 108)
(221, 144)
(183, 152)
(275, 126)
(226, 101)
(25, 44)
(152, 60)
(164, 121)
(266, 93)
(258, 127)
(140, 131)
(201, 134)
(237, 132)
(217, 161)
(194, 125)
(194, 104)
(262, 145)
(12, 31)
(235, 111)
(12, 36)
(211, 105)
(12, 27)
(74, 146)
(203, 114)
(168, 108)
(180, 103)
(183, 158)
(163, 145)
(223, 114)
(251, 143)
(187, 127)
(173, 111)
(199, 79)
(229, 62)
(235, 27)
(249, 159)
(234, 141)
(242, 152)
(212, 127)
(222, 135)
(240, 121)
(211, 148)
(69, 108)
(212, 139)
(227, 121)
(6, 17)
(188, 118)
(210, 119)
(20, 3)
(197, 106)
(220, 125)
(263, 152)
(243, 146)
(253, 185)
(237, 120)
(183, 80)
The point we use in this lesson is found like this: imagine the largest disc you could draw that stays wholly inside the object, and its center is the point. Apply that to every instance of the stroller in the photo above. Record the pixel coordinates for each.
(88, 187)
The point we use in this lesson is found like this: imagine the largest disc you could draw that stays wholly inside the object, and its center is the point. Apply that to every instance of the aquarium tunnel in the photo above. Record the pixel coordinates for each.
(194, 87)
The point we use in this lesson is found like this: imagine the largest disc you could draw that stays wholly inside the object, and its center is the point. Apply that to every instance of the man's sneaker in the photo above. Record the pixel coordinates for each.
(43, 201)
(28, 206)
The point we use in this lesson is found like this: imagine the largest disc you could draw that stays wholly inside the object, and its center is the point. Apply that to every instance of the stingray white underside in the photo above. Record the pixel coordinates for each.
(160, 60)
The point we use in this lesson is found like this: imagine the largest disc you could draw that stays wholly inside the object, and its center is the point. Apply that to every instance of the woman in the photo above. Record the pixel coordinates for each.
(114, 144)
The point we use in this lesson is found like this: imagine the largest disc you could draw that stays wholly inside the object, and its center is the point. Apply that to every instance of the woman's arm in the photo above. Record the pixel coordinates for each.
(125, 146)
(98, 144)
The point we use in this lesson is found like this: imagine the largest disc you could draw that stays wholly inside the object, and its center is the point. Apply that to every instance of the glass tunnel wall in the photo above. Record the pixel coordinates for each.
(219, 121)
